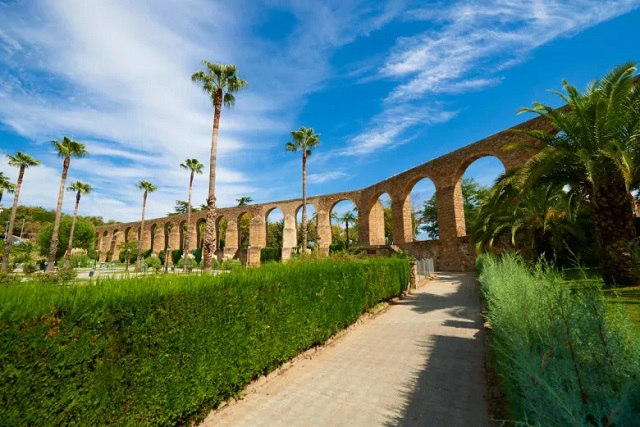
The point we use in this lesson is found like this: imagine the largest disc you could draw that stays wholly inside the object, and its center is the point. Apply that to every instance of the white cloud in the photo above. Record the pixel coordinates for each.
(319, 178)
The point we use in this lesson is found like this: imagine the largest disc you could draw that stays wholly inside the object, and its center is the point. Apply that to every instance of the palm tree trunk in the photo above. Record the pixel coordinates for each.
(73, 228)
(9, 231)
(56, 225)
(141, 234)
(186, 239)
(615, 233)
(346, 223)
(304, 200)
(210, 226)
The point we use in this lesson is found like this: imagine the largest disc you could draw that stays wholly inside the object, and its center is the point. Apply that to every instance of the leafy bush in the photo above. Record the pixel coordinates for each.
(191, 264)
(29, 268)
(153, 263)
(62, 276)
(231, 264)
(156, 350)
(565, 357)
(176, 255)
(270, 254)
(197, 253)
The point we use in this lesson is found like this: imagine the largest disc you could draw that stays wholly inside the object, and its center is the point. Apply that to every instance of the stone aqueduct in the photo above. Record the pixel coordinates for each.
(452, 252)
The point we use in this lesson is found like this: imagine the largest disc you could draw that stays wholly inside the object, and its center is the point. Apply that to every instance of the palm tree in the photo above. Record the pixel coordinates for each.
(347, 218)
(147, 187)
(303, 139)
(539, 220)
(66, 148)
(194, 166)
(5, 185)
(23, 161)
(219, 82)
(80, 188)
(244, 201)
(596, 151)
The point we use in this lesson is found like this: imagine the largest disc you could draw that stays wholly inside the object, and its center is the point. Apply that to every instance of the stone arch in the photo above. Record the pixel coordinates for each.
(311, 228)
(243, 222)
(127, 231)
(153, 237)
(420, 191)
(200, 224)
(377, 233)
(182, 233)
(274, 230)
(335, 220)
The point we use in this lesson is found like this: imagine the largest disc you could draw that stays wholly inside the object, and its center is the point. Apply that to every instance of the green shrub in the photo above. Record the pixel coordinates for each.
(270, 255)
(197, 253)
(231, 264)
(153, 263)
(191, 264)
(29, 268)
(176, 255)
(565, 357)
(155, 350)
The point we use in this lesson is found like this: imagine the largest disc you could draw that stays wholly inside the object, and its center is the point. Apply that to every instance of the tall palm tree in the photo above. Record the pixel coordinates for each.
(147, 187)
(305, 140)
(219, 82)
(22, 161)
(596, 151)
(347, 218)
(66, 148)
(80, 188)
(5, 185)
(194, 167)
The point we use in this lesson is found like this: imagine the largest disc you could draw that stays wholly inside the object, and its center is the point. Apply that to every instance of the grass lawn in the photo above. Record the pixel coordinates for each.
(630, 298)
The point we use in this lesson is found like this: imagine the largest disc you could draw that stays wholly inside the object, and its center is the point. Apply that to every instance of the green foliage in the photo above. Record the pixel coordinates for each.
(29, 268)
(153, 263)
(191, 264)
(130, 248)
(270, 254)
(473, 194)
(565, 356)
(197, 253)
(83, 236)
(231, 264)
(156, 350)
(176, 255)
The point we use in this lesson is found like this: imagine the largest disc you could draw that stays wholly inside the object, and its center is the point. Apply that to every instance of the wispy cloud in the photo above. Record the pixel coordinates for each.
(467, 43)
(319, 178)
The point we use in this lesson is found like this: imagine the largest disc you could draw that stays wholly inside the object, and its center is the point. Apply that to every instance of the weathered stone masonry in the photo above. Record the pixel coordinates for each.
(452, 252)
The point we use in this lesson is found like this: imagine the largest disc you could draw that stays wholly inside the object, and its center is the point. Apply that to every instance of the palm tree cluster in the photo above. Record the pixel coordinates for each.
(66, 149)
(591, 161)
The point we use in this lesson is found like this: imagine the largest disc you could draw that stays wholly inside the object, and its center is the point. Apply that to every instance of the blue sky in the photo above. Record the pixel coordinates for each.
(389, 85)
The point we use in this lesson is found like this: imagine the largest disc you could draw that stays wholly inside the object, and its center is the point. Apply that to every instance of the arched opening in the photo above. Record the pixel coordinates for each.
(275, 228)
(183, 233)
(424, 212)
(200, 231)
(127, 233)
(475, 182)
(274, 224)
(344, 226)
(312, 227)
(244, 227)
(153, 230)
(167, 235)
(381, 221)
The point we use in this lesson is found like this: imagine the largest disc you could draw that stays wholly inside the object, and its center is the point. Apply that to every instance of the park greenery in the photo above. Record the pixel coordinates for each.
(565, 355)
(159, 350)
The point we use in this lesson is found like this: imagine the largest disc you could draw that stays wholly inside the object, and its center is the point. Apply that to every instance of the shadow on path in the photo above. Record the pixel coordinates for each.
(450, 389)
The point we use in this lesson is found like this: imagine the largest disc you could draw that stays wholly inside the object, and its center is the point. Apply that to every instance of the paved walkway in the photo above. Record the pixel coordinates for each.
(418, 364)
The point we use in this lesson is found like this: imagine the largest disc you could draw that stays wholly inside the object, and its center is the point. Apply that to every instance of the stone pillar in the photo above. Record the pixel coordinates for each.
(324, 229)
(231, 240)
(257, 240)
(289, 234)
(193, 235)
(451, 226)
(376, 224)
(174, 238)
(158, 241)
(146, 237)
(402, 222)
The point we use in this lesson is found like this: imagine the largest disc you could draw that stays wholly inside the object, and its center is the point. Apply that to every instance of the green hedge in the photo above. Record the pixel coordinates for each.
(565, 357)
(270, 254)
(160, 350)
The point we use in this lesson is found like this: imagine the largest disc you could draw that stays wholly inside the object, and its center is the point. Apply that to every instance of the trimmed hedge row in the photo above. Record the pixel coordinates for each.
(565, 357)
(159, 350)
